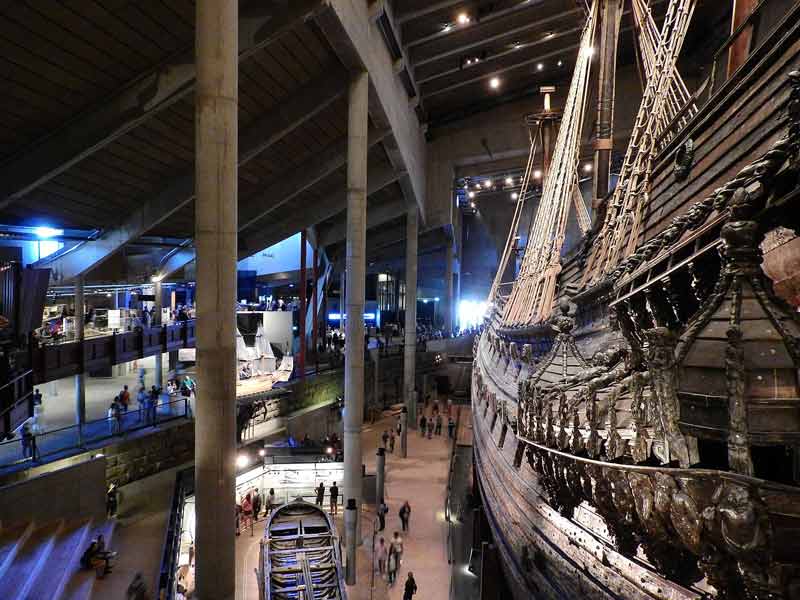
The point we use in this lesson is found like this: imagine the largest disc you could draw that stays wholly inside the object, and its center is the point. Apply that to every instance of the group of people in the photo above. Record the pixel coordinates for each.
(334, 495)
(433, 425)
(147, 401)
(98, 557)
(249, 509)
(389, 557)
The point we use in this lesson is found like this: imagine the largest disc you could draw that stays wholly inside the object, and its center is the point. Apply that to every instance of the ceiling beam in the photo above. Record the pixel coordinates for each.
(298, 180)
(313, 213)
(280, 122)
(360, 47)
(138, 101)
(432, 7)
(336, 231)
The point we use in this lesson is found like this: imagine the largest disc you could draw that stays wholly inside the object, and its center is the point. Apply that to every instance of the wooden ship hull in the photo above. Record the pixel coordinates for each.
(300, 555)
(627, 448)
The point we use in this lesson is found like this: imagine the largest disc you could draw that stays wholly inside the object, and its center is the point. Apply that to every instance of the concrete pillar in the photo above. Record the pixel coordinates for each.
(80, 378)
(355, 285)
(216, 203)
(409, 362)
(404, 432)
(350, 521)
(380, 474)
(315, 305)
(301, 318)
(448, 289)
(158, 304)
(342, 296)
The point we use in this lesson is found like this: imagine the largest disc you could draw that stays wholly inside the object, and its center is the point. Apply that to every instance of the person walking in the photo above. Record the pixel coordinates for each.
(334, 499)
(270, 501)
(399, 425)
(430, 428)
(247, 513)
(124, 398)
(405, 515)
(391, 440)
(141, 402)
(320, 493)
(392, 564)
(28, 443)
(451, 427)
(381, 554)
(423, 424)
(385, 439)
(411, 587)
(154, 394)
(114, 415)
(256, 504)
(382, 510)
(37, 397)
(438, 430)
(397, 544)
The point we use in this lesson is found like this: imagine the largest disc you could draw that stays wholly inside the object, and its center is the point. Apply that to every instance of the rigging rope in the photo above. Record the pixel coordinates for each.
(664, 96)
(531, 298)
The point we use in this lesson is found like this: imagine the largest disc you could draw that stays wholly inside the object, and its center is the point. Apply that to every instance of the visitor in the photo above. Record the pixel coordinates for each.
(411, 587)
(270, 501)
(256, 504)
(320, 493)
(399, 425)
(451, 427)
(334, 499)
(155, 393)
(382, 510)
(397, 544)
(28, 443)
(392, 564)
(137, 590)
(438, 425)
(391, 440)
(124, 398)
(405, 515)
(114, 417)
(141, 403)
(247, 513)
(423, 424)
(37, 397)
(430, 428)
(385, 439)
(381, 555)
(238, 517)
(111, 500)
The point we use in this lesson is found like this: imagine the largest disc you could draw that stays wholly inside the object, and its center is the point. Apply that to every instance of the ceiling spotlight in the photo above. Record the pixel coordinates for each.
(537, 174)
(549, 35)
(560, 63)
(471, 194)
(494, 83)
(509, 181)
(463, 18)
(477, 186)
(242, 461)
(469, 61)
(539, 67)
(514, 195)
(472, 205)
(447, 27)
(587, 167)
(487, 184)
(262, 452)
(590, 51)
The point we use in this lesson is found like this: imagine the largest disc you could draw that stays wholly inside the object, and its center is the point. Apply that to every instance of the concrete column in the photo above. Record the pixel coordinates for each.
(342, 296)
(350, 521)
(448, 289)
(216, 152)
(158, 304)
(411, 316)
(404, 432)
(380, 474)
(315, 305)
(301, 320)
(355, 285)
(80, 378)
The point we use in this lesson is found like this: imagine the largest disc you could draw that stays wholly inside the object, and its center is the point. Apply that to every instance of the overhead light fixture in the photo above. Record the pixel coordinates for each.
(509, 181)
(262, 452)
(463, 18)
(242, 461)
(447, 27)
(157, 278)
(471, 194)
(494, 83)
(472, 205)
(560, 63)
(514, 195)
(47, 232)
(539, 67)
(549, 35)
(487, 184)
(477, 186)
(587, 167)
(537, 174)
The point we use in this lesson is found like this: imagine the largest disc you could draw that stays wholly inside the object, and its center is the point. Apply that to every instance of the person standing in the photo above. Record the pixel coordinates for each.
(405, 515)
(392, 565)
(270, 501)
(399, 425)
(154, 394)
(430, 428)
(451, 427)
(256, 504)
(320, 493)
(37, 397)
(28, 443)
(141, 402)
(124, 398)
(247, 513)
(438, 425)
(381, 555)
(391, 440)
(397, 544)
(423, 424)
(382, 510)
(385, 439)
(334, 499)
(411, 587)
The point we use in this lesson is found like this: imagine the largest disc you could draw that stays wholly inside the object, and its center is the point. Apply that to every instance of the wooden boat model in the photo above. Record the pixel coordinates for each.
(644, 441)
(300, 555)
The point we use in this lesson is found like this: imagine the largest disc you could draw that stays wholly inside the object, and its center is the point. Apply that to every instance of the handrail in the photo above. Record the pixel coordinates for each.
(17, 401)
(184, 486)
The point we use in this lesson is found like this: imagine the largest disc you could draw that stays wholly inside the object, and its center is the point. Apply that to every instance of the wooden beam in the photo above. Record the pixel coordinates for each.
(432, 7)
(334, 232)
(136, 102)
(277, 124)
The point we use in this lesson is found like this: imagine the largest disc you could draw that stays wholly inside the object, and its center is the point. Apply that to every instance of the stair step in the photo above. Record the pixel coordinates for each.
(30, 559)
(81, 581)
(11, 540)
(64, 557)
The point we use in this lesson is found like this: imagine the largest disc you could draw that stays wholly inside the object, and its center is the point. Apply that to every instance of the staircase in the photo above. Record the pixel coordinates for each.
(41, 561)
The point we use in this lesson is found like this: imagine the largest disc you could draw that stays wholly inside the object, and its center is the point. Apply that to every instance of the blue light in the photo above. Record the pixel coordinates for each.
(47, 232)
(335, 316)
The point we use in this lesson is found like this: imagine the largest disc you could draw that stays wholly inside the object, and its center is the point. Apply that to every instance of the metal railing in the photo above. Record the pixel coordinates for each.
(66, 440)
(184, 487)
